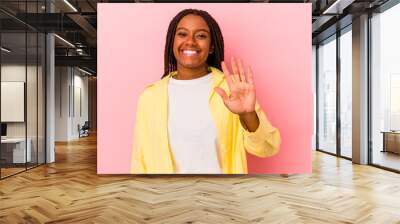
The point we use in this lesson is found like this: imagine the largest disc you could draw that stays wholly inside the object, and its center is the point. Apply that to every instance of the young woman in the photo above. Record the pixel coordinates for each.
(197, 119)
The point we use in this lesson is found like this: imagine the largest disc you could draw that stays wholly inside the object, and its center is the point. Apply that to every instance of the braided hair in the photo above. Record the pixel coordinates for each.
(217, 41)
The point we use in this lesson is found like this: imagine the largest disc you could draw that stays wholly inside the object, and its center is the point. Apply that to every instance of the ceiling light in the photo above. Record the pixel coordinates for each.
(64, 40)
(70, 5)
(5, 50)
(84, 71)
(338, 6)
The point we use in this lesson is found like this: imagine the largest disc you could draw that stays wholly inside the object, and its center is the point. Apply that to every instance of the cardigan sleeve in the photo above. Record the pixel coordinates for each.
(265, 141)
(137, 162)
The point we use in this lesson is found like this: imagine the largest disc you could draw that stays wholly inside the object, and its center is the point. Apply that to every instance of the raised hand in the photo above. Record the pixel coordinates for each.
(242, 98)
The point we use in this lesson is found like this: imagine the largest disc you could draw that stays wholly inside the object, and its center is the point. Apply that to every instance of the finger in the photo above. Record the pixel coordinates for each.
(250, 76)
(228, 76)
(241, 71)
(235, 70)
(222, 93)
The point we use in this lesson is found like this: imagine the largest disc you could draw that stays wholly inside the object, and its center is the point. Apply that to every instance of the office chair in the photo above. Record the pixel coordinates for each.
(84, 130)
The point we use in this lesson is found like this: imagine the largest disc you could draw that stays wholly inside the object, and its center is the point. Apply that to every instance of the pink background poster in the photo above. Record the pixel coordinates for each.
(275, 39)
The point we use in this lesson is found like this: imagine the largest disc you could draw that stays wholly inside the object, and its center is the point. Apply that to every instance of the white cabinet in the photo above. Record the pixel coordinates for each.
(17, 146)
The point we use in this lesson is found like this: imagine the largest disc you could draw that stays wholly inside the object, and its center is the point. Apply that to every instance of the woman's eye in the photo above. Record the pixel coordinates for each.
(202, 36)
(181, 34)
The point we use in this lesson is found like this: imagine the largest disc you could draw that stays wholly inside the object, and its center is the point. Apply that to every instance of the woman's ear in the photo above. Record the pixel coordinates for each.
(211, 50)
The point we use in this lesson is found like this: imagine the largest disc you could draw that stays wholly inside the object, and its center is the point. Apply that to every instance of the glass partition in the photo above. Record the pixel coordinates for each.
(22, 63)
(41, 91)
(13, 109)
(31, 100)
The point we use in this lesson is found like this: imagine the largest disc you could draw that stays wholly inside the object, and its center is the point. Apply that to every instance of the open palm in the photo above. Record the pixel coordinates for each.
(242, 98)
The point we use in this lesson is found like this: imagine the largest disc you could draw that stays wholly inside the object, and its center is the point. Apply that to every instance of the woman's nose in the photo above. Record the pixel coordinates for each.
(190, 39)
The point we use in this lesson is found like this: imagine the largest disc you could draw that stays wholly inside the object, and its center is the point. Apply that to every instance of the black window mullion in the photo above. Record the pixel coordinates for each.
(0, 97)
(317, 96)
(37, 90)
(26, 86)
(44, 72)
(338, 81)
(45, 94)
(369, 90)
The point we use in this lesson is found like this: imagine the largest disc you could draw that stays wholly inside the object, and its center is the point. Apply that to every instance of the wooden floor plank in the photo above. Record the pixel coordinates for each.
(70, 191)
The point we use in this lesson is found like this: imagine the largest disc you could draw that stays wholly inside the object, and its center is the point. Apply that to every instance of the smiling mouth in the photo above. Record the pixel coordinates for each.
(189, 52)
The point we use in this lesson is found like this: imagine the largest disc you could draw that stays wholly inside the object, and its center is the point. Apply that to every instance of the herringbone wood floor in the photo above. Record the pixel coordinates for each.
(69, 191)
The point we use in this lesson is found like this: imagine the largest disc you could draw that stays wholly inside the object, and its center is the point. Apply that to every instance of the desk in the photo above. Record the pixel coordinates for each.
(16, 148)
(391, 141)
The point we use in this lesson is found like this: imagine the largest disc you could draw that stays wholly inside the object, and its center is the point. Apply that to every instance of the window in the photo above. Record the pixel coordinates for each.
(385, 88)
(346, 74)
(327, 95)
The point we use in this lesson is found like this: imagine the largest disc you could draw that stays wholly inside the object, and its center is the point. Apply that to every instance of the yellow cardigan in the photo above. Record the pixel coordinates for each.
(151, 149)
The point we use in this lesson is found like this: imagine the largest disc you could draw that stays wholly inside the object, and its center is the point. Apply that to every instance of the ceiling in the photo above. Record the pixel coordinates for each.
(76, 22)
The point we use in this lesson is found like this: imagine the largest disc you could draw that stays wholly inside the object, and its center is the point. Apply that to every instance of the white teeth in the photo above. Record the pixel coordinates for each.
(189, 52)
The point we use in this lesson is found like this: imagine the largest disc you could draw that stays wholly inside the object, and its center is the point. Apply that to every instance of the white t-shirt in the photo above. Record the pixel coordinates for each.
(191, 129)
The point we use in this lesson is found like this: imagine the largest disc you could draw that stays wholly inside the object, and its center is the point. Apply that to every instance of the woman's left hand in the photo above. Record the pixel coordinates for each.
(242, 99)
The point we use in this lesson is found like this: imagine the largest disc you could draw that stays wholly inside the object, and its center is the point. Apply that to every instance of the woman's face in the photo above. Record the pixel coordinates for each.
(192, 42)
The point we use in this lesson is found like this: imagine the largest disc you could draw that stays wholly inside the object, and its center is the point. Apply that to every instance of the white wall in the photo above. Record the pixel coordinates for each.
(16, 73)
(80, 84)
(62, 81)
(71, 93)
